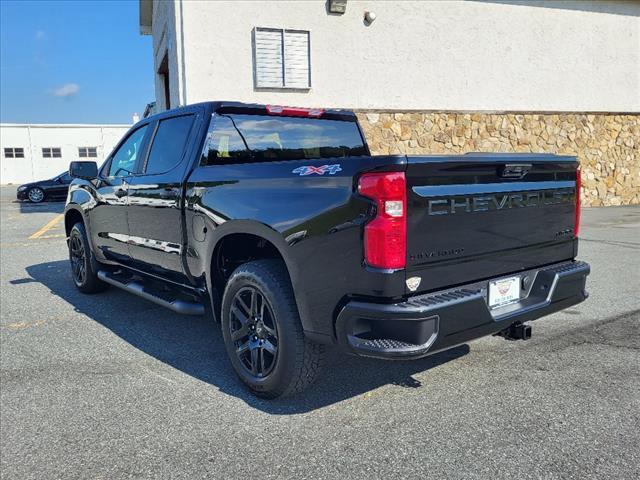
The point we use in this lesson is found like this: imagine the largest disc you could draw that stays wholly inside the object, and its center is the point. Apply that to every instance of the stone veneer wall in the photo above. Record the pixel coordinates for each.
(607, 145)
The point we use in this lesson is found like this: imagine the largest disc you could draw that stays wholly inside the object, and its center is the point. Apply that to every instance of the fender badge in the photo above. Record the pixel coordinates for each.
(413, 283)
(310, 169)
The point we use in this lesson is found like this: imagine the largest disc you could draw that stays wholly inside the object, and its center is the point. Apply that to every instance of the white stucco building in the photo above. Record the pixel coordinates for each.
(37, 152)
(493, 55)
(425, 76)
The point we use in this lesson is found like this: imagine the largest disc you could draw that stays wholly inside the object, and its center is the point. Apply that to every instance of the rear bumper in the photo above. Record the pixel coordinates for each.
(425, 324)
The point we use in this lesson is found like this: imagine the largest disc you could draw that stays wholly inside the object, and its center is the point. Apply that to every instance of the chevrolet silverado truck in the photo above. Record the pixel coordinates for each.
(280, 224)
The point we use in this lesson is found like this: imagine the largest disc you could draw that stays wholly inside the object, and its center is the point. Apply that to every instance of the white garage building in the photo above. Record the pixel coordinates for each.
(425, 76)
(38, 152)
(485, 55)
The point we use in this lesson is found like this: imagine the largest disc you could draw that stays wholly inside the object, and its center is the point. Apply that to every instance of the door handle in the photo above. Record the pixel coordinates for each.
(121, 192)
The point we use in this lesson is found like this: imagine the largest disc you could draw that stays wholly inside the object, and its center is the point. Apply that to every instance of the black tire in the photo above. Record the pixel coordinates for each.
(36, 195)
(274, 322)
(84, 267)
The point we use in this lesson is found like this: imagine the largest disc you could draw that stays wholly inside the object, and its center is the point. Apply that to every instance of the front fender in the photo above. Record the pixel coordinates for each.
(81, 201)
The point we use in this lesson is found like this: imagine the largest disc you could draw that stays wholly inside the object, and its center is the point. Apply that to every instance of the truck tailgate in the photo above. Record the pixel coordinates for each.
(478, 216)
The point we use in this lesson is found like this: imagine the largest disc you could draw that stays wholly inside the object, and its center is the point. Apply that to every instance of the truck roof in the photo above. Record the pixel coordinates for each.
(223, 106)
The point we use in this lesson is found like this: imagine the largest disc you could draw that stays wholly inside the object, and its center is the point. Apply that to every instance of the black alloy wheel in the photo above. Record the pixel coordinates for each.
(254, 331)
(84, 267)
(78, 257)
(263, 334)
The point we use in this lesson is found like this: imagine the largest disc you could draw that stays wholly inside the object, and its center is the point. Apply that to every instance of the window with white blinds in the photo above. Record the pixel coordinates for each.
(281, 58)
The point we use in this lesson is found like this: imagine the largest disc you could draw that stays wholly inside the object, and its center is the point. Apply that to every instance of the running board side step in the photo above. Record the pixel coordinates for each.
(137, 287)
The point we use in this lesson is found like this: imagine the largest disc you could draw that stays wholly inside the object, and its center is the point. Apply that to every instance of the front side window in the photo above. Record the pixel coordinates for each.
(14, 152)
(65, 178)
(169, 144)
(123, 161)
(87, 152)
(51, 152)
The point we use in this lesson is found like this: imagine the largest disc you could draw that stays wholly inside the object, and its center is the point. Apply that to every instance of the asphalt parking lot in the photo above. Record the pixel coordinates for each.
(111, 386)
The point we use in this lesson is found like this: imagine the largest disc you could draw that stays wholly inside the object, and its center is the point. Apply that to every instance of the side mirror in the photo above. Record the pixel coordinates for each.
(85, 170)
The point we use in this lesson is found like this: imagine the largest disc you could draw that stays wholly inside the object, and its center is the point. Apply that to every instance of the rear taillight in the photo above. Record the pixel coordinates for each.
(576, 227)
(294, 111)
(385, 237)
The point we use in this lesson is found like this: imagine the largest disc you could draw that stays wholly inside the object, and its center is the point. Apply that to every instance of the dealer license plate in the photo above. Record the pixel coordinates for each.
(504, 291)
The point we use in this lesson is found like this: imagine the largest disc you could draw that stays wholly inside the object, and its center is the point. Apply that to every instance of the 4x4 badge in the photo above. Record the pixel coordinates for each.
(309, 170)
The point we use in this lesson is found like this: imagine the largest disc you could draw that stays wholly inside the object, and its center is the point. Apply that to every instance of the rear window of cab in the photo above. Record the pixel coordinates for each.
(234, 138)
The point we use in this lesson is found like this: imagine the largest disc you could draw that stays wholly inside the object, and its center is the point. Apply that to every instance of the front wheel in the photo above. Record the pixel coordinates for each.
(36, 195)
(263, 334)
(83, 266)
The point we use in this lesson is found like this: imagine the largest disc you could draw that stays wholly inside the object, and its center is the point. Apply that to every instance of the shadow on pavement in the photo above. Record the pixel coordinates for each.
(44, 207)
(194, 346)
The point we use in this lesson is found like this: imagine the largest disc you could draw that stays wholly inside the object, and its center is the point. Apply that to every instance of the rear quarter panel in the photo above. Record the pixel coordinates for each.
(315, 221)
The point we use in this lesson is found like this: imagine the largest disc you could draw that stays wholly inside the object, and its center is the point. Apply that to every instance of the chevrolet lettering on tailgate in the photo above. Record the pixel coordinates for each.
(485, 203)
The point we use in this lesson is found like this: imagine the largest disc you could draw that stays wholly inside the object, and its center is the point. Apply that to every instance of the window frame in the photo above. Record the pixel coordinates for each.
(283, 32)
(143, 167)
(87, 152)
(16, 152)
(152, 124)
(52, 152)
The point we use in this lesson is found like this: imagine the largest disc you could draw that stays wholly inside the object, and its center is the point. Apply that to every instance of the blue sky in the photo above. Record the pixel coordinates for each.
(73, 62)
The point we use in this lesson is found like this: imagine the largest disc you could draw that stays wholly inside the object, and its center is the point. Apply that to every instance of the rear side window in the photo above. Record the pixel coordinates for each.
(263, 138)
(169, 144)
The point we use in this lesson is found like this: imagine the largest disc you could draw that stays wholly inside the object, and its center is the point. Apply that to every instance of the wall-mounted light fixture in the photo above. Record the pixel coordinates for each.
(337, 7)
(369, 17)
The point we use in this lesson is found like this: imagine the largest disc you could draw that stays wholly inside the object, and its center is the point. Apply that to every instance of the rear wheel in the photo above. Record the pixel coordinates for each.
(84, 268)
(263, 334)
(35, 194)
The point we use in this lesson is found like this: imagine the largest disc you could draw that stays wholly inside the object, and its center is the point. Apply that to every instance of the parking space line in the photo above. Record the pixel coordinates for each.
(51, 224)
(54, 235)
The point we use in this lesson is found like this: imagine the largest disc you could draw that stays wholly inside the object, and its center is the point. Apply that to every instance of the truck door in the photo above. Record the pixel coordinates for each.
(108, 217)
(155, 199)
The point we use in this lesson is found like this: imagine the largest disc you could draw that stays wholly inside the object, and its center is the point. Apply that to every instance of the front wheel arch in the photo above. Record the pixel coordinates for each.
(71, 217)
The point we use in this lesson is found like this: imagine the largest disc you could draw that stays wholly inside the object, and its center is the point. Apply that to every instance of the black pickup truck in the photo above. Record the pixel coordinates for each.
(280, 224)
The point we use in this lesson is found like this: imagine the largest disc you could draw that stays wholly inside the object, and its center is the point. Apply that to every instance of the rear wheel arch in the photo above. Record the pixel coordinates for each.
(233, 249)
